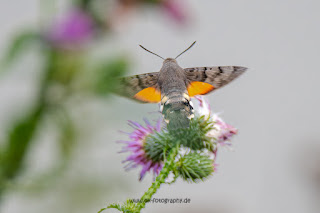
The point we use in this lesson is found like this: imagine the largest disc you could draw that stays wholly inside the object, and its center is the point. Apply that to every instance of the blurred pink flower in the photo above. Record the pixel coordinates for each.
(136, 146)
(124, 9)
(75, 28)
(175, 9)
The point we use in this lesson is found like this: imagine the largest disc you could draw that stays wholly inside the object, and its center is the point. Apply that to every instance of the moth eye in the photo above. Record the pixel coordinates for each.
(186, 103)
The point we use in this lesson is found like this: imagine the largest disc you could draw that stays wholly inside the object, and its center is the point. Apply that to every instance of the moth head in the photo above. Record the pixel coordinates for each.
(169, 60)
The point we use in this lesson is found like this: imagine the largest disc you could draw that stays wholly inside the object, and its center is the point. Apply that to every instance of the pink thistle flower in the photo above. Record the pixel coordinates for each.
(136, 144)
(75, 28)
(222, 131)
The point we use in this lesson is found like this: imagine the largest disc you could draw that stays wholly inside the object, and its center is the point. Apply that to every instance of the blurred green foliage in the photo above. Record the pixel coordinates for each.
(108, 73)
(18, 45)
(62, 68)
(65, 62)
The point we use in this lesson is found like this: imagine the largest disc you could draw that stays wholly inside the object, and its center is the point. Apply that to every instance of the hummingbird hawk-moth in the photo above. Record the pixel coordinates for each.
(173, 86)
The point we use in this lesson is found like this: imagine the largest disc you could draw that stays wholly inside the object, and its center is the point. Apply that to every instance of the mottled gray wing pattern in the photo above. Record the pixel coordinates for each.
(216, 76)
(131, 85)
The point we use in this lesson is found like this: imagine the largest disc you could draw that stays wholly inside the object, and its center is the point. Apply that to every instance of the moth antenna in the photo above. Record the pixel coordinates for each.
(150, 51)
(186, 49)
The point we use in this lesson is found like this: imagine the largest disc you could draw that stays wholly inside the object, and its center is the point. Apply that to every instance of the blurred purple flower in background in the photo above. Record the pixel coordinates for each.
(175, 9)
(75, 28)
(136, 147)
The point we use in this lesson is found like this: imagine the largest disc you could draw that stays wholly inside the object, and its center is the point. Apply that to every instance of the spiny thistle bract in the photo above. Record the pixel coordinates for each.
(195, 137)
(194, 166)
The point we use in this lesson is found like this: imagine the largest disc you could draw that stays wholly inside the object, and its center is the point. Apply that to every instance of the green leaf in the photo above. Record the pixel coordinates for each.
(19, 140)
(19, 43)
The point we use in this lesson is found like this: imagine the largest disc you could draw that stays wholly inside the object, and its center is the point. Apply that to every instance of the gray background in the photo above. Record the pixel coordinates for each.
(274, 162)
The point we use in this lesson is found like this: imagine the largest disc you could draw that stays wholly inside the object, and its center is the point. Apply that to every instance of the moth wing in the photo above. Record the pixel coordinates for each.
(143, 87)
(202, 80)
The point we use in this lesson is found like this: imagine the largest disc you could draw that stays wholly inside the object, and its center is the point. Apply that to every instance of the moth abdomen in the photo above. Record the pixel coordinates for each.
(177, 110)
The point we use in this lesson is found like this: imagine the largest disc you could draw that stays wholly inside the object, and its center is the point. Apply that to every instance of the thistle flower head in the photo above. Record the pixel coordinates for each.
(136, 146)
(149, 145)
(195, 166)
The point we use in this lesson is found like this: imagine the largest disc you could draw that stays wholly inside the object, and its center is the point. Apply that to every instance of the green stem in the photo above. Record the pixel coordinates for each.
(167, 168)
